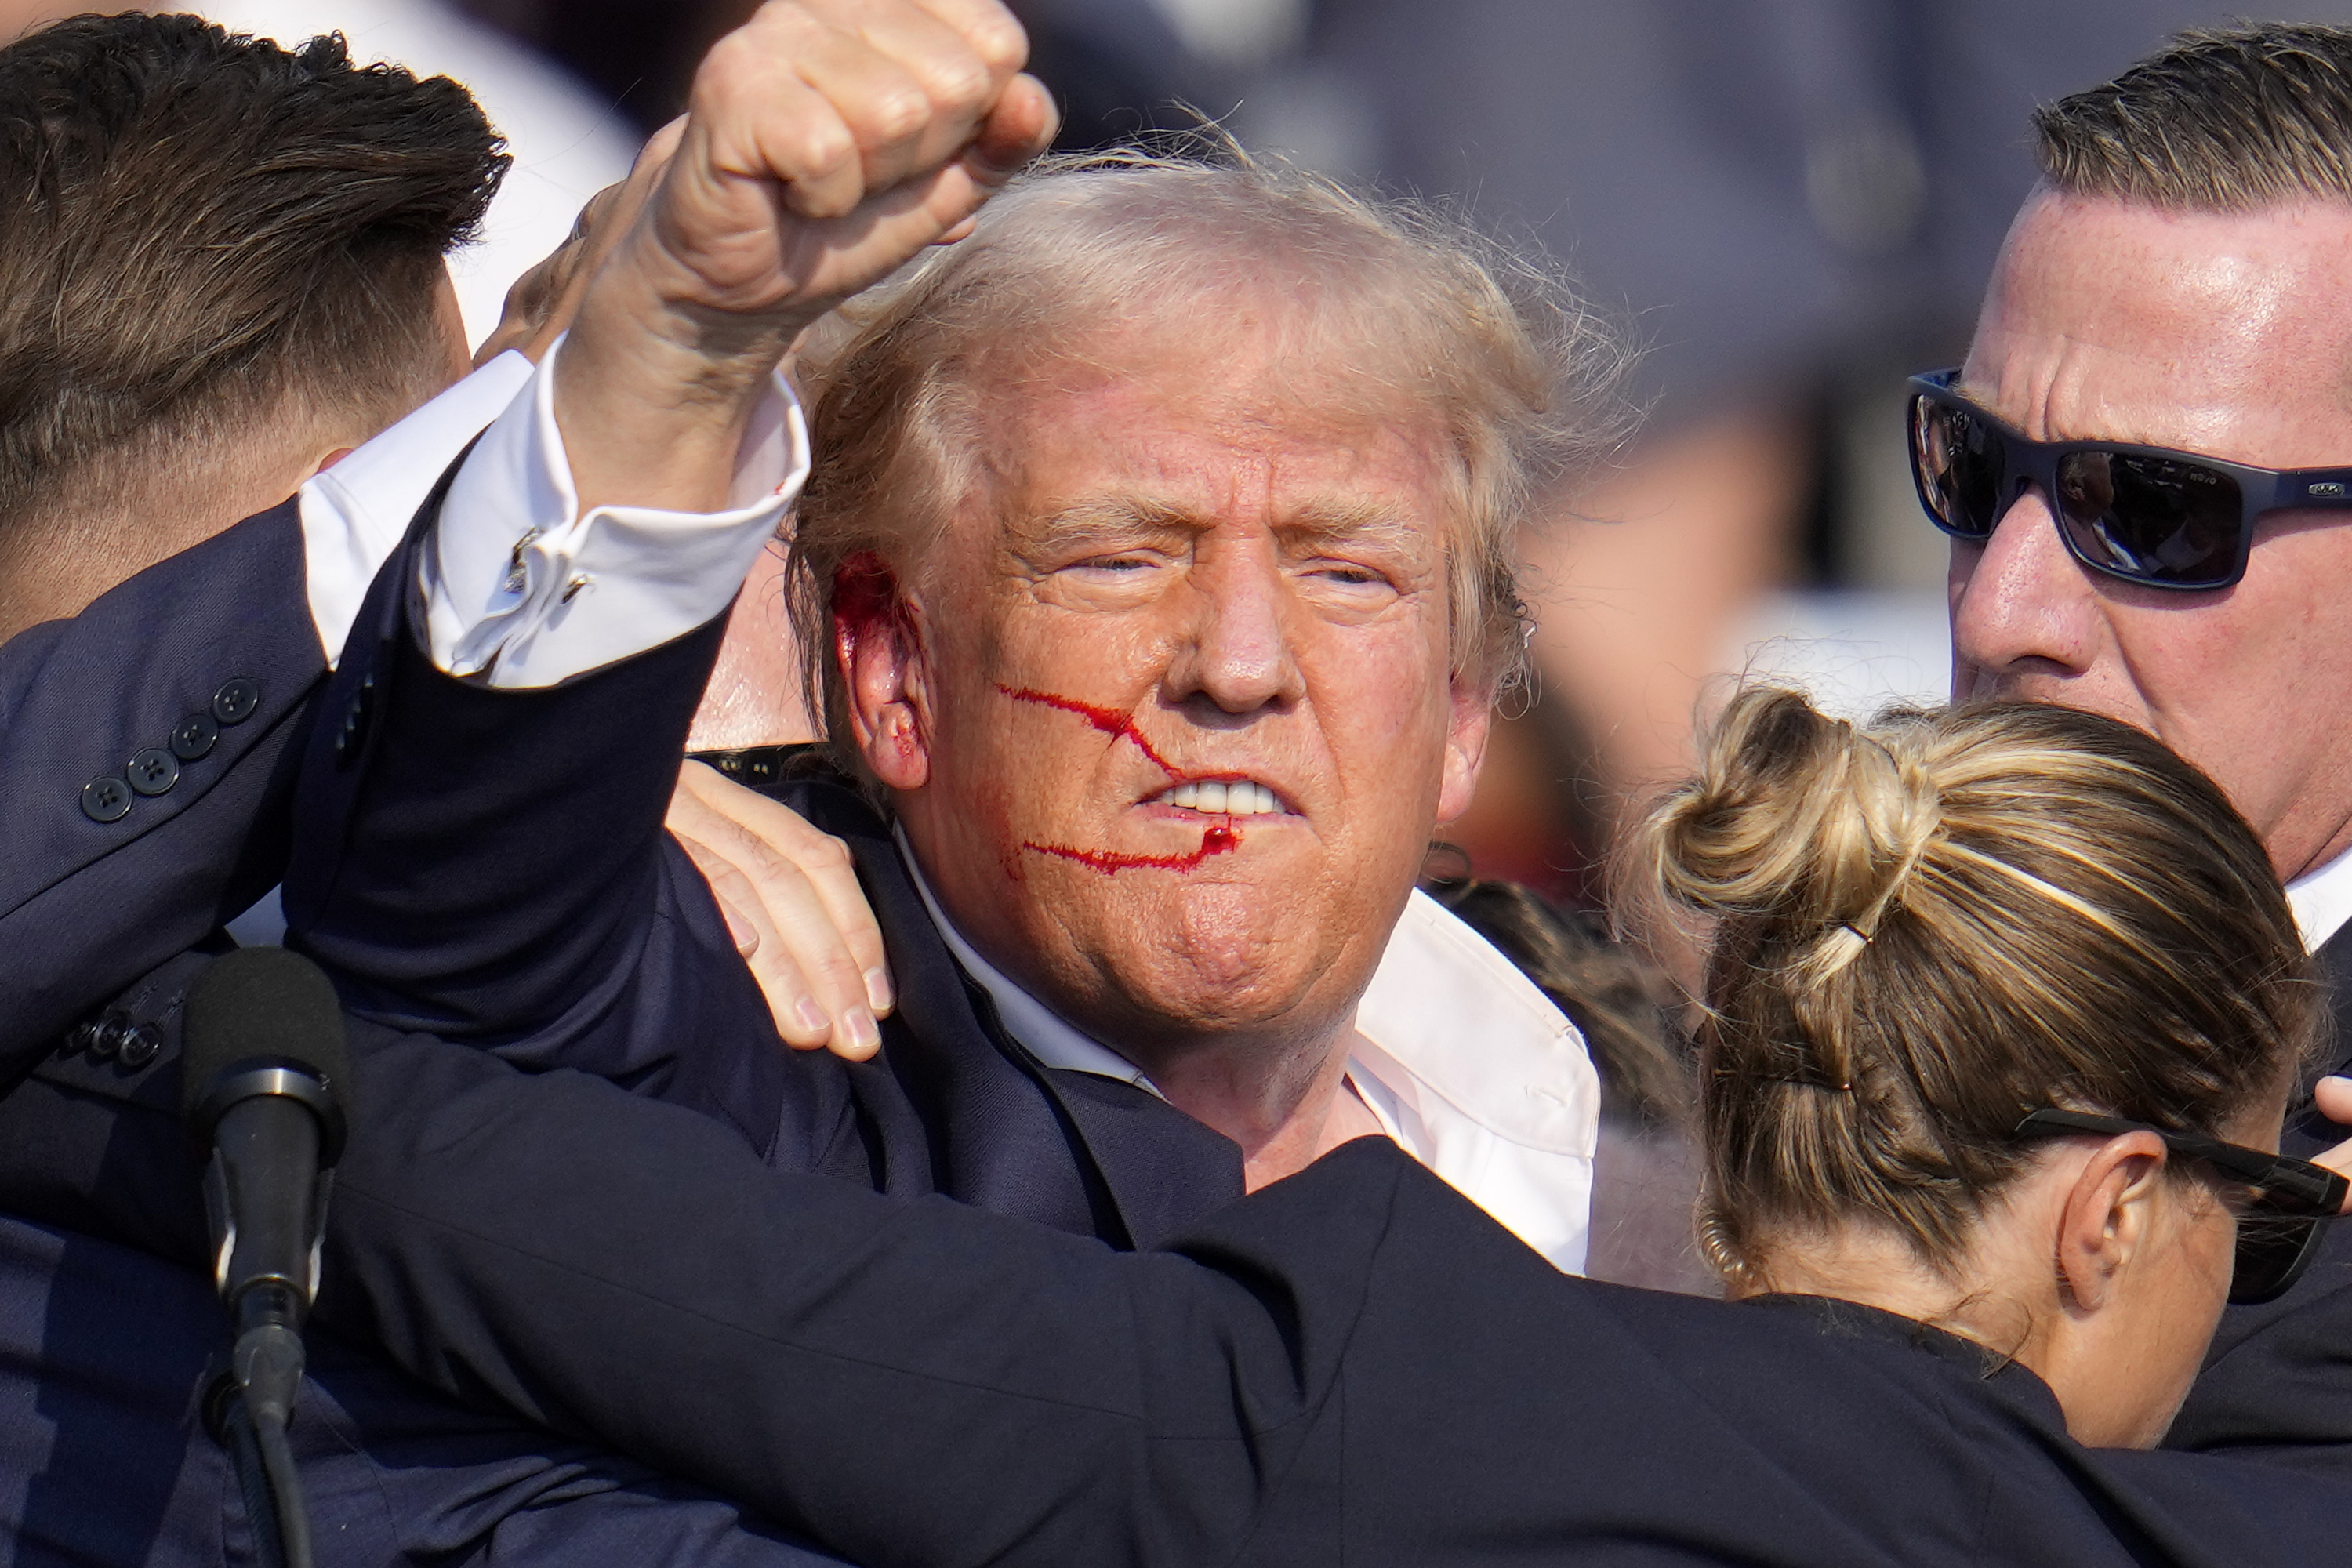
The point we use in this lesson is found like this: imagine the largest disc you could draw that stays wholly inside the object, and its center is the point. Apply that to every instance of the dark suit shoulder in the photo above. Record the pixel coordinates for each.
(144, 754)
(2277, 1383)
(1486, 1386)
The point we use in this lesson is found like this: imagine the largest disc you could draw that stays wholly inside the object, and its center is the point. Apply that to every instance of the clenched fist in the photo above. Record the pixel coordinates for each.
(826, 142)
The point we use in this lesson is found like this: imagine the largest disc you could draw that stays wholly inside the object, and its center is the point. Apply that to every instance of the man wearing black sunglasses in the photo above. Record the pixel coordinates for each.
(2145, 467)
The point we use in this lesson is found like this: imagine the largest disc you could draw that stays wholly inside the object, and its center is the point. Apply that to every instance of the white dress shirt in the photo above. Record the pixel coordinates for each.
(1463, 1061)
(523, 591)
(2321, 900)
(509, 544)
(355, 513)
(520, 589)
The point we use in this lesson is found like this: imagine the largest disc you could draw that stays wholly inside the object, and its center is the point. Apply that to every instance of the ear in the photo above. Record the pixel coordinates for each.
(879, 647)
(2106, 1217)
(1470, 719)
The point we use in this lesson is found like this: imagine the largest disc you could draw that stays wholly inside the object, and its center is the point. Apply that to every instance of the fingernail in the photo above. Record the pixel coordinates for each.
(864, 1032)
(877, 989)
(812, 1016)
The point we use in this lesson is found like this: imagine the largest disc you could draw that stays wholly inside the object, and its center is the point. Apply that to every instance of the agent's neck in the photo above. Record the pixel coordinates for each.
(1877, 1269)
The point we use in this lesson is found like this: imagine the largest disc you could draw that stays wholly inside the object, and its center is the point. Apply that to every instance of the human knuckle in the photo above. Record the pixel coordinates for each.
(822, 148)
(827, 852)
(998, 40)
(896, 113)
(732, 64)
(956, 82)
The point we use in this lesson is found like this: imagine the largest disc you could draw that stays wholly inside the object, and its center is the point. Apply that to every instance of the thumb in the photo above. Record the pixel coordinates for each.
(1022, 125)
(2333, 1095)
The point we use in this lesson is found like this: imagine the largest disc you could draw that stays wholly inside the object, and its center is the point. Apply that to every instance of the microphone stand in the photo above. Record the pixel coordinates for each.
(264, 1077)
(249, 1412)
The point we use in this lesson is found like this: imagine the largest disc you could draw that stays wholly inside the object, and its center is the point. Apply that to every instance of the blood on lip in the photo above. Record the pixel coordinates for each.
(1222, 838)
(1219, 838)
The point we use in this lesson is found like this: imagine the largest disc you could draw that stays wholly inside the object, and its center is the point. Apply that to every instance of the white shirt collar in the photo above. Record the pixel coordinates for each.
(2321, 900)
(1463, 1061)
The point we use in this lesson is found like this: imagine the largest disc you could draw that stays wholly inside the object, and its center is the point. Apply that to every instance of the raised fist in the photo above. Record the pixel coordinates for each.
(829, 141)
(826, 142)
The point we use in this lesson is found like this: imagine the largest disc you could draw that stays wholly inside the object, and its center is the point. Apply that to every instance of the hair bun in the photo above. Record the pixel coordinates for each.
(1797, 819)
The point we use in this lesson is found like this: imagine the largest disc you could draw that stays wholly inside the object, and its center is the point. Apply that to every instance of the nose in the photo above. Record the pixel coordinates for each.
(2019, 603)
(1236, 655)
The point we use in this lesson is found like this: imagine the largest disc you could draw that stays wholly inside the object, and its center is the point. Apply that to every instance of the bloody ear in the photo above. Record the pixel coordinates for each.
(878, 651)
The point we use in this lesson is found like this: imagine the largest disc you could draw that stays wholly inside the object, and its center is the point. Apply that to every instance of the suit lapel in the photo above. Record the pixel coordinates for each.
(1165, 1171)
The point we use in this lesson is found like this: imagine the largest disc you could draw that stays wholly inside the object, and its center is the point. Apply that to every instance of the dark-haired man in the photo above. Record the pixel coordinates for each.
(2180, 281)
(224, 273)
(221, 268)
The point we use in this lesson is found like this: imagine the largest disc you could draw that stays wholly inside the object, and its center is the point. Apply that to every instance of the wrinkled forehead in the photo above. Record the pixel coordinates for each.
(2229, 333)
(1245, 420)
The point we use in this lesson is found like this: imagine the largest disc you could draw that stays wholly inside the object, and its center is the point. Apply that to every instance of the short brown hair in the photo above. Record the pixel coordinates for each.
(1522, 374)
(196, 225)
(1927, 928)
(2221, 119)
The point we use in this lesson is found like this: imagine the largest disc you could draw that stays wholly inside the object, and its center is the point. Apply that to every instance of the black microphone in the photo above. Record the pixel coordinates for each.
(265, 1089)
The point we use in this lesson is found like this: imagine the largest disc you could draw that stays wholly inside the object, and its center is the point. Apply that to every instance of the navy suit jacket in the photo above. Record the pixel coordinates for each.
(1353, 1365)
(148, 750)
(490, 865)
(2278, 1382)
(201, 667)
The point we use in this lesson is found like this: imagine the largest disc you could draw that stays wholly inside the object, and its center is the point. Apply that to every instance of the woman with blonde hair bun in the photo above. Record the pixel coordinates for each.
(2002, 1012)
(1985, 987)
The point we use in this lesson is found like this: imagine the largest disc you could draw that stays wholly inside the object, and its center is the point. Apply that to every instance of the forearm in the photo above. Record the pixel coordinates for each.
(904, 1382)
(489, 865)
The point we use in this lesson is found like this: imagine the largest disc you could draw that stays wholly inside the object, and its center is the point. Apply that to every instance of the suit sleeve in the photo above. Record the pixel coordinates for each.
(145, 752)
(857, 1367)
(490, 865)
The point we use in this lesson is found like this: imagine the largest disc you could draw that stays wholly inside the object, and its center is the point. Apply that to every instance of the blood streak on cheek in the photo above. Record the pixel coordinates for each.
(1219, 838)
(1109, 721)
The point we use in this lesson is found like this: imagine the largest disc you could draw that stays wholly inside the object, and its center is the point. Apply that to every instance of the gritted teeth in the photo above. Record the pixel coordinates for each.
(1222, 797)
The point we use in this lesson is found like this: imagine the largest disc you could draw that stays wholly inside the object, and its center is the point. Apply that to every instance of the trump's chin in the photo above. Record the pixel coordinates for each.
(1211, 954)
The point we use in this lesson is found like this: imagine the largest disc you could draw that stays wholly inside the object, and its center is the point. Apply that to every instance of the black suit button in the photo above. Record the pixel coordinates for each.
(140, 1046)
(153, 771)
(108, 1040)
(192, 736)
(352, 734)
(106, 799)
(233, 703)
(78, 1038)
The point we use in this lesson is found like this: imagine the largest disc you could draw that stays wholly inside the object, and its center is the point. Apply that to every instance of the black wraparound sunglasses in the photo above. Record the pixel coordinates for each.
(2143, 514)
(2278, 1232)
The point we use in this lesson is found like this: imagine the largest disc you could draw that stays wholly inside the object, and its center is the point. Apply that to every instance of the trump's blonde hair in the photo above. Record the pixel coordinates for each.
(1520, 373)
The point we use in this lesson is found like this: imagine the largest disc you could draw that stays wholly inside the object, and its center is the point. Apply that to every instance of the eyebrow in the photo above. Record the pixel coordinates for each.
(1319, 522)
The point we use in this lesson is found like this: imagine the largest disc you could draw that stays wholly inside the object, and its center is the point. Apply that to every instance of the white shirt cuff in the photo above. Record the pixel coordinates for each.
(523, 592)
(355, 513)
